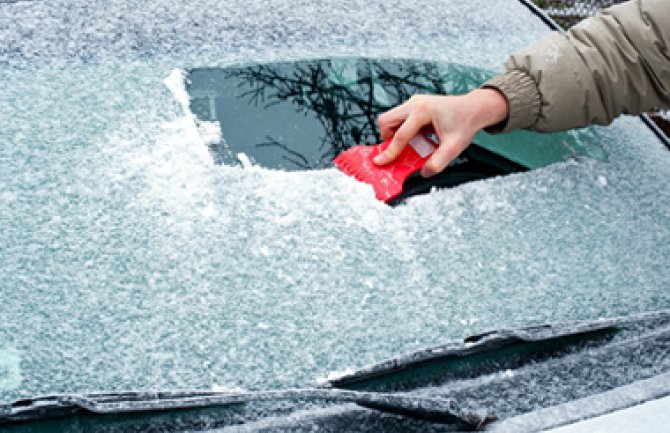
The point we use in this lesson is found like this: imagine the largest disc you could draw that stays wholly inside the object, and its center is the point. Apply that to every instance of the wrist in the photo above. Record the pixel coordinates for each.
(490, 107)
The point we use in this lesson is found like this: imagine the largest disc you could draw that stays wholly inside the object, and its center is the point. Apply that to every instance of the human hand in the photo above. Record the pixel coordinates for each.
(455, 120)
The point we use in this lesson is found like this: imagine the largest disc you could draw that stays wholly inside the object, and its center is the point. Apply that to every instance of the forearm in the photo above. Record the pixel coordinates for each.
(615, 63)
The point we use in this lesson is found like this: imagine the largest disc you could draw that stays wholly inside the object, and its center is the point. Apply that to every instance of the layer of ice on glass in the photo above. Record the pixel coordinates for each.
(129, 260)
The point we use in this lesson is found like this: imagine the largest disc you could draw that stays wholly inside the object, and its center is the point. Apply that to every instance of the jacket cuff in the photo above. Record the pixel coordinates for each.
(523, 98)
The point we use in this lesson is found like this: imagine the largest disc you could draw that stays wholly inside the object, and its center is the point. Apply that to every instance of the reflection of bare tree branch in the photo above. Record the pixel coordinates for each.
(303, 163)
(348, 112)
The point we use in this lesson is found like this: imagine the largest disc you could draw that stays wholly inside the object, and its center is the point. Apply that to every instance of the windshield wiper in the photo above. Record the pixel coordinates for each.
(384, 381)
(478, 354)
(433, 409)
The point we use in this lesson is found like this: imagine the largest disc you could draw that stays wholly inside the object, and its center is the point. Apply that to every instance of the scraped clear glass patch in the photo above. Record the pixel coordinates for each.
(301, 115)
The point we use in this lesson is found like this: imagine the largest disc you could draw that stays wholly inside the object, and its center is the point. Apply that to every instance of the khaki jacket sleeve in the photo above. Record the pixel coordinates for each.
(615, 63)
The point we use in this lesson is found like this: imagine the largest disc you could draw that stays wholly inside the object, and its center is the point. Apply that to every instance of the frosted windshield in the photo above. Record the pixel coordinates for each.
(129, 259)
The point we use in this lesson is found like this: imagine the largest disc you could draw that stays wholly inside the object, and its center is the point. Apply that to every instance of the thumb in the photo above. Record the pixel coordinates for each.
(447, 152)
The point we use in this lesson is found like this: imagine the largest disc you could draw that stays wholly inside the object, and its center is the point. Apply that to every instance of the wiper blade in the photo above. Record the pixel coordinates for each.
(433, 409)
(471, 357)
(480, 354)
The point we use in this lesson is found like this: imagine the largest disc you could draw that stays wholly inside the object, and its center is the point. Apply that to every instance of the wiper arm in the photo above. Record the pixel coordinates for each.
(487, 346)
(433, 409)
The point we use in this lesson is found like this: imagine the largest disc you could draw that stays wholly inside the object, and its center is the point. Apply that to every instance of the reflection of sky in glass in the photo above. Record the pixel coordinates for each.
(130, 260)
(343, 72)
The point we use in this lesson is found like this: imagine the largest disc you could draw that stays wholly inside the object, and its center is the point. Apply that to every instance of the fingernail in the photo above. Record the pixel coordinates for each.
(381, 158)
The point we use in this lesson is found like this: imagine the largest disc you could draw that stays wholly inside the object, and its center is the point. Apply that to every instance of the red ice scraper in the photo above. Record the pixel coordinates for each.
(387, 180)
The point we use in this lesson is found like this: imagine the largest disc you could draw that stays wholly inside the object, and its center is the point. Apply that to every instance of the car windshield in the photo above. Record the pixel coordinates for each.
(133, 256)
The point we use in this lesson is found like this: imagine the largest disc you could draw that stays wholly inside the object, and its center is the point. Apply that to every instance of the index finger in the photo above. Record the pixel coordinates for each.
(410, 127)
(390, 120)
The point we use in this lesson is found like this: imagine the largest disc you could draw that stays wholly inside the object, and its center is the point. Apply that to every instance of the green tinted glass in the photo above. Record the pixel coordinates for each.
(301, 115)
